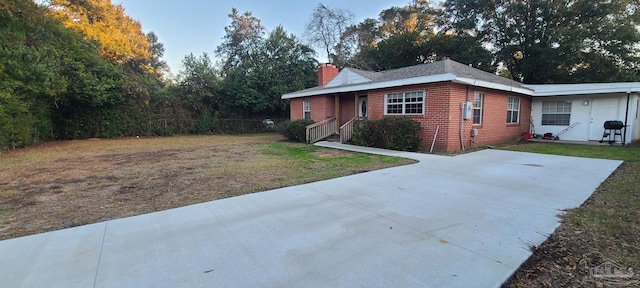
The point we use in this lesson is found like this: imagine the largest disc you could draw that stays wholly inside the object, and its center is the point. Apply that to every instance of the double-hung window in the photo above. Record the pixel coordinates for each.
(478, 99)
(405, 103)
(556, 113)
(306, 109)
(513, 110)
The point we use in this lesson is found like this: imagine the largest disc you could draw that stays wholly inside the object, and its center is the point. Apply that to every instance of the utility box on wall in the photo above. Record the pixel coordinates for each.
(467, 110)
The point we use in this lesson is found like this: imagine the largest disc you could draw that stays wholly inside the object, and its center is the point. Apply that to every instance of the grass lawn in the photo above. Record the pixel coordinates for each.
(64, 184)
(605, 228)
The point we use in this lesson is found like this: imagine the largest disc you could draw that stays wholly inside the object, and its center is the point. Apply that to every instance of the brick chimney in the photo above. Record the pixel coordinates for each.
(326, 72)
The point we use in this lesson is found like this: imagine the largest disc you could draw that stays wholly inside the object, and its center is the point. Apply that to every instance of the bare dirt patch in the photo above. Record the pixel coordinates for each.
(64, 184)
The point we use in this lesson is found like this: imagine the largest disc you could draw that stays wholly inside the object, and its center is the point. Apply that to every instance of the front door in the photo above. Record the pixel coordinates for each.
(602, 110)
(362, 106)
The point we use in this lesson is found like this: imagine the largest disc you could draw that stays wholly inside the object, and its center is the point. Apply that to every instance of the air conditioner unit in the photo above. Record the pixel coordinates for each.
(474, 132)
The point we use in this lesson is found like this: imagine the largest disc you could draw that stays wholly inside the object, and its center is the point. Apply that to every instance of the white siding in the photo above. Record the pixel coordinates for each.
(600, 108)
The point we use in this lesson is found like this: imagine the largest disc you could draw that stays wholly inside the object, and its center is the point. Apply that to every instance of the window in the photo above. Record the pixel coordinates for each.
(556, 113)
(404, 103)
(478, 98)
(306, 109)
(513, 110)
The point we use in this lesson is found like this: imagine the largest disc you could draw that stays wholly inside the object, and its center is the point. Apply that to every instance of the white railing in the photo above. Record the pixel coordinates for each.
(346, 131)
(321, 130)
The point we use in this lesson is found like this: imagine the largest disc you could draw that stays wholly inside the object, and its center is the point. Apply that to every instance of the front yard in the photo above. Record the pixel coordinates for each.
(65, 184)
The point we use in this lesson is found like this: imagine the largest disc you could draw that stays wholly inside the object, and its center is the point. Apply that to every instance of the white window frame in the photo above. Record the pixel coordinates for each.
(555, 108)
(306, 108)
(478, 102)
(512, 108)
(405, 105)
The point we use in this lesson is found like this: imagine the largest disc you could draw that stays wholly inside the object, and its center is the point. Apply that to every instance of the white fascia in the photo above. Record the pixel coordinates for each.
(496, 86)
(373, 86)
(583, 89)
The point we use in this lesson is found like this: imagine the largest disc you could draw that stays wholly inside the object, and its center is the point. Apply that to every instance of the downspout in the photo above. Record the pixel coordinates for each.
(626, 118)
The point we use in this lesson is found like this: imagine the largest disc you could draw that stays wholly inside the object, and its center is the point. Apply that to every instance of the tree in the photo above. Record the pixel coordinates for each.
(405, 36)
(241, 37)
(52, 81)
(555, 41)
(119, 37)
(359, 43)
(462, 48)
(280, 64)
(326, 28)
(198, 82)
(156, 51)
(286, 65)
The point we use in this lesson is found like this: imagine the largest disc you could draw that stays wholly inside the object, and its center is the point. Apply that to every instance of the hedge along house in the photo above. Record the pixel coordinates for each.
(467, 107)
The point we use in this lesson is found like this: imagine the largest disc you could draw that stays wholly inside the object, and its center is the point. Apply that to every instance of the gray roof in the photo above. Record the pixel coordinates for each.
(435, 68)
(445, 70)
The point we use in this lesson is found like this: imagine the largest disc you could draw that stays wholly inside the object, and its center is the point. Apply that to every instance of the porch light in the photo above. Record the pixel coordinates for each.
(585, 103)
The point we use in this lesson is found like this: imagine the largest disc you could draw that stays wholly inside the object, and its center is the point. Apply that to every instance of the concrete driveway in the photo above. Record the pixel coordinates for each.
(464, 221)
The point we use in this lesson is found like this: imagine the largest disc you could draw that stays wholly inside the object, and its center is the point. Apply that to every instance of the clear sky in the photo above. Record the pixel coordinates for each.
(197, 26)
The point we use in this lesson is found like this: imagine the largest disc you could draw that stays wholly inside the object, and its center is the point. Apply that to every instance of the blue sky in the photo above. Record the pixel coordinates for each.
(197, 26)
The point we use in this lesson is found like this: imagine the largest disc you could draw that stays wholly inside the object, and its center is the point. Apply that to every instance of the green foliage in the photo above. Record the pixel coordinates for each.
(205, 124)
(257, 71)
(119, 38)
(279, 64)
(198, 84)
(560, 41)
(390, 133)
(241, 37)
(54, 84)
(295, 130)
(405, 36)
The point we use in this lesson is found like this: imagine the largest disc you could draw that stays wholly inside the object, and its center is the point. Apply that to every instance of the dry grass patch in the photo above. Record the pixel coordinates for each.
(65, 184)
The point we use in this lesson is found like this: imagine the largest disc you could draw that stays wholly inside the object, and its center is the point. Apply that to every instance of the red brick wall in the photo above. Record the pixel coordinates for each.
(347, 107)
(436, 112)
(322, 108)
(494, 128)
(442, 109)
(295, 109)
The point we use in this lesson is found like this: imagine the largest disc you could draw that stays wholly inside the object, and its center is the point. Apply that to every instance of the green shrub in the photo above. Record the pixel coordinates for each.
(294, 130)
(394, 133)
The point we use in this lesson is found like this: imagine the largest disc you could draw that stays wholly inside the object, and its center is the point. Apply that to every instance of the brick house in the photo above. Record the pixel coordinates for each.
(468, 107)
